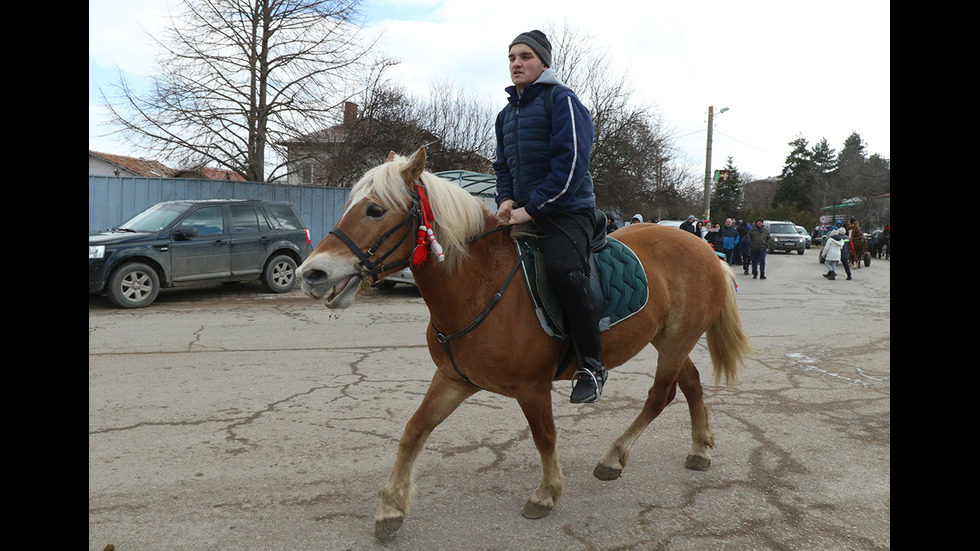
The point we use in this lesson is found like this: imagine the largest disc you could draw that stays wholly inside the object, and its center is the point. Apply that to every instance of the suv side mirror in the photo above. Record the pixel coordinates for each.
(183, 234)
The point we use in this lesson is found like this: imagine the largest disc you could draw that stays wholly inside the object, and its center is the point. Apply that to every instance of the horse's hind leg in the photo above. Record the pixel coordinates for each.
(702, 437)
(664, 388)
(442, 398)
(537, 409)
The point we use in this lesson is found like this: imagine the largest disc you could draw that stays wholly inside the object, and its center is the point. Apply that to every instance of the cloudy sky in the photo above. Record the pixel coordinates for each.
(783, 68)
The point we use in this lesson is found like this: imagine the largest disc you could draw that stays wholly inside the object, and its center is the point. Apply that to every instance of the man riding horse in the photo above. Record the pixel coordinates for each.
(543, 181)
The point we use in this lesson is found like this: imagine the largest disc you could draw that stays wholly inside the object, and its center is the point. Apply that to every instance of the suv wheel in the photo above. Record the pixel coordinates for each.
(133, 285)
(280, 274)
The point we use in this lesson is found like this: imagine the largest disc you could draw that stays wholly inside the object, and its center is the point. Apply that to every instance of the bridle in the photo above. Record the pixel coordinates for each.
(420, 214)
(372, 268)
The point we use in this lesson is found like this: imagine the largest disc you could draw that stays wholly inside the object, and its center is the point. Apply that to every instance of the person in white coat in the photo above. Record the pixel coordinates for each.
(831, 252)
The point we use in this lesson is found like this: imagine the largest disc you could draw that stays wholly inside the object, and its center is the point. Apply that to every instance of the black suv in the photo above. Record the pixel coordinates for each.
(784, 237)
(188, 242)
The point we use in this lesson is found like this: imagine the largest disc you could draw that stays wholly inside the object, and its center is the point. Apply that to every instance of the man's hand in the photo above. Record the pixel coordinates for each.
(505, 209)
(510, 215)
(520, 216)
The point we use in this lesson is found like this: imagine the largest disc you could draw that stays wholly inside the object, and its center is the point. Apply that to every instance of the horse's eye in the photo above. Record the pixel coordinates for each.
(375, 211)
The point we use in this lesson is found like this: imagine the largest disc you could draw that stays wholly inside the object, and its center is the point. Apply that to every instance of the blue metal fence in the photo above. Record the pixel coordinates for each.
(112, 199)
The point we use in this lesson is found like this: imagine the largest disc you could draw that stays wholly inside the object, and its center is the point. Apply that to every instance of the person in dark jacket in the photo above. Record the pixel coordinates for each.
(845, 253)
(543, 181)
(611, 225)
(729, 240)
(759, 240)
(688, 225)
(714, 237)
(742, 247)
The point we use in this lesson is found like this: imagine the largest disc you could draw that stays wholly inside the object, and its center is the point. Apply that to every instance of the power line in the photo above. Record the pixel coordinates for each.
(747, 144)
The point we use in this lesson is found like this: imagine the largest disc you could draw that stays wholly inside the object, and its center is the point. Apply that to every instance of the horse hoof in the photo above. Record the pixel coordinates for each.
(534, 510)
(385, 528)
(605, 472)
(697, 463)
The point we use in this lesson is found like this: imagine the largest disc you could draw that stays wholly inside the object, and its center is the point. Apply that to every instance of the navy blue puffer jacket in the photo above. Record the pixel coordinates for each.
(544, 164)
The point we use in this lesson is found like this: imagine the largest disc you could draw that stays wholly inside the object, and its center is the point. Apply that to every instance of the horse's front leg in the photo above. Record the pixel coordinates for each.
(442, 398)
(537, 409)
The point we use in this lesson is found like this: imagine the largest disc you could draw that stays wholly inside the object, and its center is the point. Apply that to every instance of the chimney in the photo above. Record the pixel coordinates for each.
(350, 113)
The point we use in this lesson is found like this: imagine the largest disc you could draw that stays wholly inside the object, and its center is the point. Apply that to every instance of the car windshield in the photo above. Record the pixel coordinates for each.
(782, 228)
(154, 218)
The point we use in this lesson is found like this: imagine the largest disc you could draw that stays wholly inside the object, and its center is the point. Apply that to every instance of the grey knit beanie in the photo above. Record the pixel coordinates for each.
(538, 42)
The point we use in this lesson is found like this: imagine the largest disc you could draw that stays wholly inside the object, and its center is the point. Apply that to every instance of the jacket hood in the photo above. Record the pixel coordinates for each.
(549, 77)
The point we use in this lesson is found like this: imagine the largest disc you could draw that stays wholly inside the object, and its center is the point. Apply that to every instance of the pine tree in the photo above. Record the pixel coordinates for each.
(798, 177)
(726, 199)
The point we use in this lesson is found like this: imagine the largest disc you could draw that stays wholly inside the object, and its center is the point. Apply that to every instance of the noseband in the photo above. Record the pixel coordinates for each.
(419, 214)
(370, 267)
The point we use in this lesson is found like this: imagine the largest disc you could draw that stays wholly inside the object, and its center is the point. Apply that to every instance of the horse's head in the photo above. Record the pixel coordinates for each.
(373, 238)
(379, 230)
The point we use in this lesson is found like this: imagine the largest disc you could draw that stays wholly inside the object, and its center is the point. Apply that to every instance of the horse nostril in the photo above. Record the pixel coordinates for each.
(314, 276)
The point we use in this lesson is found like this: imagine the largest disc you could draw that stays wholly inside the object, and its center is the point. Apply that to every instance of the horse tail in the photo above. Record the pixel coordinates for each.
(728, 343)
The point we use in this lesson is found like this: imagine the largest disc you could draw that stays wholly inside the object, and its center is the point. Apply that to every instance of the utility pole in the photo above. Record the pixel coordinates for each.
(707, 168)
(707, 163)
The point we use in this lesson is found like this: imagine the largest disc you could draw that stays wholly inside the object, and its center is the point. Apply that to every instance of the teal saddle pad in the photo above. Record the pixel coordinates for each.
(618, 280)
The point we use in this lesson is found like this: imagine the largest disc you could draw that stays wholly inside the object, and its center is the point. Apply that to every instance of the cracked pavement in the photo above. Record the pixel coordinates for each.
(228, 418)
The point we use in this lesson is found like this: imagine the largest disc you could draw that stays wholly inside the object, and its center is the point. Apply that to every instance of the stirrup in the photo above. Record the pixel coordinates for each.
(597, 382)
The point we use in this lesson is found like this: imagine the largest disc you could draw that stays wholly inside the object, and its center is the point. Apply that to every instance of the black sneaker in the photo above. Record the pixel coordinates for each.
(588, 387)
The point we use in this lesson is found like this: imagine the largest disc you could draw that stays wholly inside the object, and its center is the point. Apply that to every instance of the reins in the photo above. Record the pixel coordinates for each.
(445, 339)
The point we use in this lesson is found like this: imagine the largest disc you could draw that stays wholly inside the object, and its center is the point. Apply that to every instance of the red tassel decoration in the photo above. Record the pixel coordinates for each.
(420, 253)
(425, 230)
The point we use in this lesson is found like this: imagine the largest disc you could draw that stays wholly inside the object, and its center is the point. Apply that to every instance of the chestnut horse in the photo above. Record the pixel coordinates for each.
(485, 318)
(858, 243)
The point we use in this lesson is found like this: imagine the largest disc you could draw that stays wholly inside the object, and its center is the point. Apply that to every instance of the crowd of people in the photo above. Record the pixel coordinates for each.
(742, 244)
(737, 242)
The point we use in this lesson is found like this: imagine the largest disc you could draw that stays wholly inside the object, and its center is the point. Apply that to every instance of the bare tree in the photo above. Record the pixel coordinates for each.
(463, 126)
(238, 78)
(386, 122)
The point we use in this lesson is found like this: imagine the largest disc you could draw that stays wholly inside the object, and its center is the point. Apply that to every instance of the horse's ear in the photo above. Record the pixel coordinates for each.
(416, 165)
(391, 156)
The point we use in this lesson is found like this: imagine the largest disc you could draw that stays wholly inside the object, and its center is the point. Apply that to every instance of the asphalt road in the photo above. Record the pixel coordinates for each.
(226, 418)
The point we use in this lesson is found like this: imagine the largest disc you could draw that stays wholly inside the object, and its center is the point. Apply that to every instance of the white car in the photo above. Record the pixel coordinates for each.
(401, 276)
(807, 240)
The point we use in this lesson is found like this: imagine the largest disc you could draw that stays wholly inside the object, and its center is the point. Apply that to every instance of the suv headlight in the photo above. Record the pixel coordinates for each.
(96, 251)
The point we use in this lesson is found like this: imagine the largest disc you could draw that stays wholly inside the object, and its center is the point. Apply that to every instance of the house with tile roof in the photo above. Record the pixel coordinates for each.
(107, 164)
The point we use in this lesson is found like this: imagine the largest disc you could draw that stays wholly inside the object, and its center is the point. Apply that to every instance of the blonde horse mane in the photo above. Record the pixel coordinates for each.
(457, 214)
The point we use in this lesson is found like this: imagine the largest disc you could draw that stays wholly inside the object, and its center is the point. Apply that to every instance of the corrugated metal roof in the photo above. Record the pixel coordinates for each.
(473, 182)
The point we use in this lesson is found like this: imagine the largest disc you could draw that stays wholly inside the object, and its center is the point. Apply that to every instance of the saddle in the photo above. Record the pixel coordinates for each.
(618, 282)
